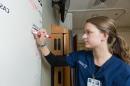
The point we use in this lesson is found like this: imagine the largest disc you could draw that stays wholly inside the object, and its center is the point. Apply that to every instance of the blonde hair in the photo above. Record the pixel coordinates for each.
(117, 44)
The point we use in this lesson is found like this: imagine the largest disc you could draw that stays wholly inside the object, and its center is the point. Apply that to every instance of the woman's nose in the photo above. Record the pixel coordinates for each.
(84, 36)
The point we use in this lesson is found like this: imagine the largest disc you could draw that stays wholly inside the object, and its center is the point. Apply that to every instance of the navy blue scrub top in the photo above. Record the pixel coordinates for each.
(115, 72)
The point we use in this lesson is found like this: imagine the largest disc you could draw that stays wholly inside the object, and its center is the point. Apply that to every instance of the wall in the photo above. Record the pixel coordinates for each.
(68, 21)
(20, 62)
(125, 33)
(48, 19)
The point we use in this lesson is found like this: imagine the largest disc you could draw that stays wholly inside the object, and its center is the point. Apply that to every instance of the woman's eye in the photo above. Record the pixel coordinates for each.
(88, 32)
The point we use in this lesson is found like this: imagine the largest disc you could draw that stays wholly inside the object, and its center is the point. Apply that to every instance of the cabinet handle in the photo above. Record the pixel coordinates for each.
(59, 77)
(59, 44)
(55, 44)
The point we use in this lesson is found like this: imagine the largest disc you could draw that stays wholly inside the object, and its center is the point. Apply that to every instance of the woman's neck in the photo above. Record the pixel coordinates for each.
(101, 55)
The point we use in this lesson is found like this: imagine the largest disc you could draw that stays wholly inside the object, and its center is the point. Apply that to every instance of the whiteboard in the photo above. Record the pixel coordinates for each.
(20, 62)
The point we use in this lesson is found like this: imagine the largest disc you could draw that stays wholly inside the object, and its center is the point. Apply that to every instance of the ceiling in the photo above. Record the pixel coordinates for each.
(84, 9)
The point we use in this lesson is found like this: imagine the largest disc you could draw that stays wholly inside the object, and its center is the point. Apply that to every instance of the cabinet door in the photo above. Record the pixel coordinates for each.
(66, 70)
(58, 76)
(57, 44)
(66, 44)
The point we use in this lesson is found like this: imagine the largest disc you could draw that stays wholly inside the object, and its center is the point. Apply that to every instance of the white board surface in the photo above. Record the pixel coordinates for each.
(20, 62)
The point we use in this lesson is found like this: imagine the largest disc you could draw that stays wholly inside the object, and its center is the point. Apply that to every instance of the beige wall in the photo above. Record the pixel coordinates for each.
(125, 33)
(51, 17)
(48, 19)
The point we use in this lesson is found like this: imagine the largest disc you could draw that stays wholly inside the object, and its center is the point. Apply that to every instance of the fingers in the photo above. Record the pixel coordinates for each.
(40, 36)
(39, 33)
(43, 31)
(34, 32)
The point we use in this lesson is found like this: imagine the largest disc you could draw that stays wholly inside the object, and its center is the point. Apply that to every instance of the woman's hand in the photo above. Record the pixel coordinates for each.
(40, 37)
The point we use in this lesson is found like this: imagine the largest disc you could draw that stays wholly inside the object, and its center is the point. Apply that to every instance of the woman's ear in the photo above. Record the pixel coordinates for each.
(104, 36)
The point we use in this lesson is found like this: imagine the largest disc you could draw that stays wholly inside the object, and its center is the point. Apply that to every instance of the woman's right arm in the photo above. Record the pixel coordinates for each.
(51, 58)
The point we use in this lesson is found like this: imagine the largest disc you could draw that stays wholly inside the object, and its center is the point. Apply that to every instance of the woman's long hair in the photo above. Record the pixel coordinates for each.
(117, 44)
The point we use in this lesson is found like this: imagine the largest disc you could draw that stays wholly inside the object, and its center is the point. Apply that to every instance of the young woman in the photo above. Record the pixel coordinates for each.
(107, 64)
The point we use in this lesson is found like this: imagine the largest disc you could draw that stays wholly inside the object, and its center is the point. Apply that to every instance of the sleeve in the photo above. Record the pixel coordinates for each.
(56, 60)
(72, 59)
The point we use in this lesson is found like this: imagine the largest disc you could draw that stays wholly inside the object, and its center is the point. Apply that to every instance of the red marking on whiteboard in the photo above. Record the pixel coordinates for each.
(33, 4)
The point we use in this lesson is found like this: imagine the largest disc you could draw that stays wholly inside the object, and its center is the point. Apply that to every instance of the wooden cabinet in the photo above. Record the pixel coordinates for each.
(61, 76)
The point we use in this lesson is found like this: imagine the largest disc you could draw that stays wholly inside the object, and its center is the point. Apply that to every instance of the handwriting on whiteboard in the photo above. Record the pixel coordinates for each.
(4, 8)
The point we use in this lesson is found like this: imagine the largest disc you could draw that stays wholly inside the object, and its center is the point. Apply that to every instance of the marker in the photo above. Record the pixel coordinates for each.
(35, 31)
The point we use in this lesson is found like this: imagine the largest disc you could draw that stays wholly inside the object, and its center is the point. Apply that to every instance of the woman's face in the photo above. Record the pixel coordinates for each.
(92, 36)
